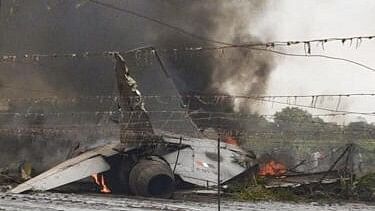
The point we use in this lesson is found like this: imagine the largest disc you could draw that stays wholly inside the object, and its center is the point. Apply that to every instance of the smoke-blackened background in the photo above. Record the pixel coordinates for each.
(54, 26)
(69, 26)
(230, 71)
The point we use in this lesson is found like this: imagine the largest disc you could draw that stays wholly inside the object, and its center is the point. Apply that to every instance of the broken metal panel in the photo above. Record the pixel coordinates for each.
(198, 164)
(71, 170)
(298, 180)
(135, 122)
(163, 103)
(60, 176)
(184, 162)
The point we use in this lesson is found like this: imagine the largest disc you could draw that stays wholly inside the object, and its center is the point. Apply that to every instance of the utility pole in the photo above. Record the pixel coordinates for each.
(218, 175)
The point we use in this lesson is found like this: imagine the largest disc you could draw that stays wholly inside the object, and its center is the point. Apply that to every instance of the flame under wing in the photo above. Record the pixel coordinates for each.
(72, 170)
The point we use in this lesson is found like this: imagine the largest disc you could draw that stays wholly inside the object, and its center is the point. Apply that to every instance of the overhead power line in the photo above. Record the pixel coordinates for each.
(316, 107)
(265, 46)
(307, 43)
(35, 58)
(211, 96)
(173, 115)
(303, 96)
(154, 20)
(198, 95)
(211, 99)
(316, 56)
(357, 39)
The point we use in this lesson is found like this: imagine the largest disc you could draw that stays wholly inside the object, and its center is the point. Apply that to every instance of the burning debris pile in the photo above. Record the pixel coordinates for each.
(341, 180)
(272, 168)
(308, 187)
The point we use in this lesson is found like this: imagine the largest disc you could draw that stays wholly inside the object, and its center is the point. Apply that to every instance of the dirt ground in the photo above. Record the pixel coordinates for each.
(90, 202)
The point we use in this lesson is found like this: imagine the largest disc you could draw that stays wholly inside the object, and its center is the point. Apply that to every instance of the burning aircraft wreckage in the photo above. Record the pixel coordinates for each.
(151, 157)
(148, 145)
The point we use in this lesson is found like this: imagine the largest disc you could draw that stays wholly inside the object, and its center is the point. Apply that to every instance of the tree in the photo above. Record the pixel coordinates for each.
(294, 122)
(359, 130)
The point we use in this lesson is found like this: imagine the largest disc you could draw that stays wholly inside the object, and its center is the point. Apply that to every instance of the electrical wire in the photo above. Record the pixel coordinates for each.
(35, 58)
(199, 95)
(316, 56)
(208, 99)
(358, 39)
(159, 22)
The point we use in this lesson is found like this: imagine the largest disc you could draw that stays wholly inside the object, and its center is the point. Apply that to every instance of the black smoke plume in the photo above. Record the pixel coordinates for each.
(65, 26)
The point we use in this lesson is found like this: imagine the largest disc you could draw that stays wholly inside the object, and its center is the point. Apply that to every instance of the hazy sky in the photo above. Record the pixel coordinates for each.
(310, 19)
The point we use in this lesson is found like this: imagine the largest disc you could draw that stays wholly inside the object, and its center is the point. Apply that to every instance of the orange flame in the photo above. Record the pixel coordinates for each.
(100, 181)
(231, 140)
(272, 168)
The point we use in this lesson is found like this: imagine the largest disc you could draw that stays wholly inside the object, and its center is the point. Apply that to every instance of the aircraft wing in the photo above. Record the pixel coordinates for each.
(77, 168)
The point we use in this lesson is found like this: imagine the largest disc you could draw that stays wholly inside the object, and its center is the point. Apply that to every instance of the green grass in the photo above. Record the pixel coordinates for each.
(363, 189)
(257, 192)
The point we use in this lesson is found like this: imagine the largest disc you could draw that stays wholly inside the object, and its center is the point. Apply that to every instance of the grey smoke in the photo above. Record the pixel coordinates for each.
(231, 71)
(60, 26)
(55, 26)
